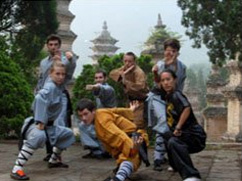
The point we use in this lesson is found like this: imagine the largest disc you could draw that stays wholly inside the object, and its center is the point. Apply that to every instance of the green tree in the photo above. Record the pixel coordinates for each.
(8, 9)
(39, 20)
(109, 63)
(215, 23)
(161, 35)
(16, 95)
(86, 77)
(28, 24)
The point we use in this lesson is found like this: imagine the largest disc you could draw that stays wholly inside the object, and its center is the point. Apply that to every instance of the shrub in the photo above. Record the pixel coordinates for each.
(16, 95)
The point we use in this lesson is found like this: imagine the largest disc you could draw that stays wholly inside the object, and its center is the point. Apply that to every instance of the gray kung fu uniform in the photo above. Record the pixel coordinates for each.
(156, 113)
(47, 107)
(45, 65)
(105, 98)
(180, 72)
(153, 98)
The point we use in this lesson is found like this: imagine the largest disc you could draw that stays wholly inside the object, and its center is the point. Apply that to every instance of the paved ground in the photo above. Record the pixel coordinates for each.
(216, 163)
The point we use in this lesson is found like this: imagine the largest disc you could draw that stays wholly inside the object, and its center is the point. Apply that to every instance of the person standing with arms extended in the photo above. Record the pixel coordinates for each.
(156, 106)
(53, 44)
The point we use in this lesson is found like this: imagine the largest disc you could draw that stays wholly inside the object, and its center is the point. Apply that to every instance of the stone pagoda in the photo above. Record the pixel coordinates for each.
(154, 45)
(215, 114)
(65, 17)
(104, 44)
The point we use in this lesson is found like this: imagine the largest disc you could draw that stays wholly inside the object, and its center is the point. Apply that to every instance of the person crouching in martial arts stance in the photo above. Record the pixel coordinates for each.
(47, 107)
(105, 98)
(186, 136)
(119, 135)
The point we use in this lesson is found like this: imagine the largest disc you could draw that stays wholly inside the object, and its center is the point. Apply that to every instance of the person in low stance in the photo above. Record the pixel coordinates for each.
(35, 131)
(118, 134)
(156, 112)
(105, 98)
(186, 136)
(53, 45)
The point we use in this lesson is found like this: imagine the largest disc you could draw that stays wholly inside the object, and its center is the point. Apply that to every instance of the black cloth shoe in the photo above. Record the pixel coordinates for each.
(57, 165)
(19, 175)
(164, 160)
(99, 156)
(47, 158)
(112, 179)
(106, 155)
(89, 155)
(157, 165)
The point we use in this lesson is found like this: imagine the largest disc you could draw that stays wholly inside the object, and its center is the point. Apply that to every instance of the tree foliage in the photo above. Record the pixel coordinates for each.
(160, 34)
(217, 24)
(108, 63)
(27, 25)
(86, 77)
(39, 20)
(8, 9)
(16, 95)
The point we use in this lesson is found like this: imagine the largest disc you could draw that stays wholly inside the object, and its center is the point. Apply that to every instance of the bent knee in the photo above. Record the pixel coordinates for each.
(172, 142)
(36, 140)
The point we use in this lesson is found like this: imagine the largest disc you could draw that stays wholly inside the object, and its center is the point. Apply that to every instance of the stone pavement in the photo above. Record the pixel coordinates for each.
(216, 163)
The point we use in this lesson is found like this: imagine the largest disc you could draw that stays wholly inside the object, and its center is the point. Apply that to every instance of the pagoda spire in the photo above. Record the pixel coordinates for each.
(159, 23)
(105, 27)
(104, 44)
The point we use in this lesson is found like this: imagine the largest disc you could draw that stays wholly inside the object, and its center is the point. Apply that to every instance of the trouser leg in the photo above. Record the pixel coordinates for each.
(89, 140)
(160, 150)
(180, 159)
(125, 170)
(55, 157)
(24, 154)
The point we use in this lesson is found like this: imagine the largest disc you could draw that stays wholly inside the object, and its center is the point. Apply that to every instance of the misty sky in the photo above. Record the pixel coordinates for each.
(130, 22)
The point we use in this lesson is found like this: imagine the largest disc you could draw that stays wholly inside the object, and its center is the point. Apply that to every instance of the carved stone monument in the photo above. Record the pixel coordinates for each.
(215, 114)
(104, 44)
(233, 92)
